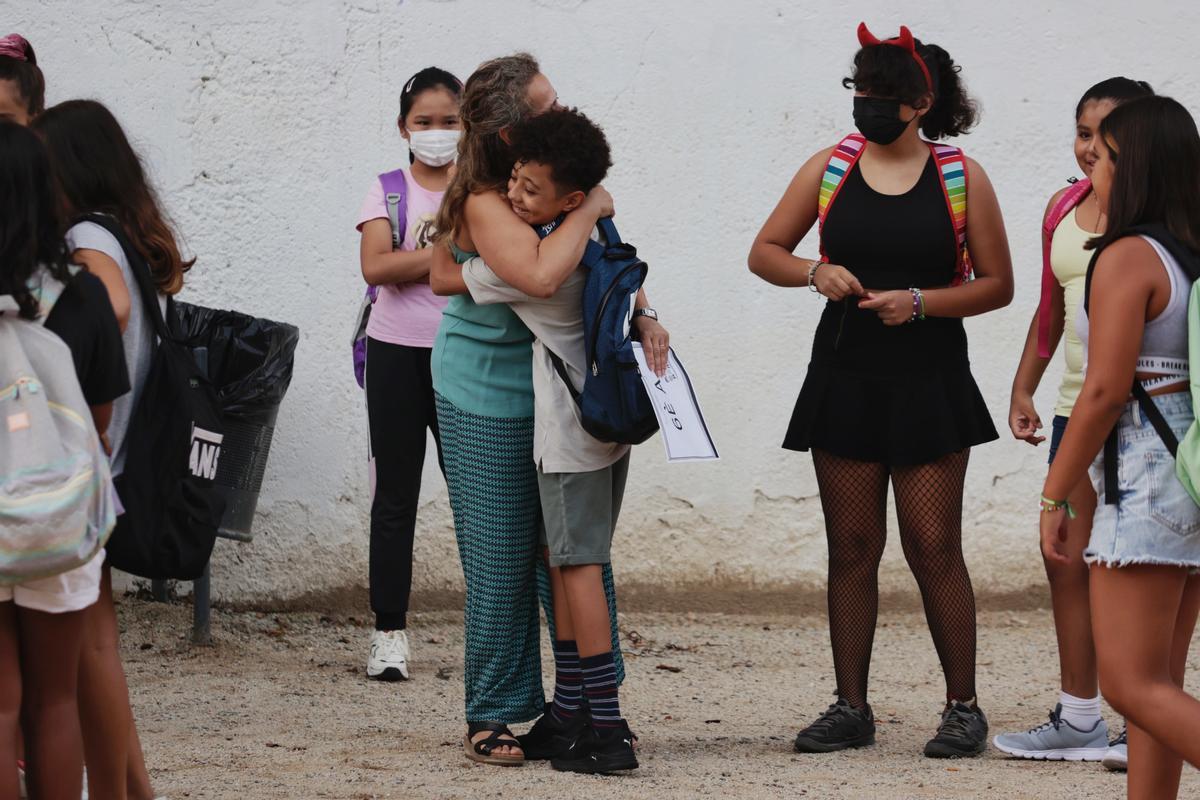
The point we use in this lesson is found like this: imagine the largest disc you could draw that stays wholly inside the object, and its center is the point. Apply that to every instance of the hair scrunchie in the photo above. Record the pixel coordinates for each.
(14, 46)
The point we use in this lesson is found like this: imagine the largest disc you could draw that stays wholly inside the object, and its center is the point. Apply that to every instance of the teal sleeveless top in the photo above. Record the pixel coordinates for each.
(482, 360)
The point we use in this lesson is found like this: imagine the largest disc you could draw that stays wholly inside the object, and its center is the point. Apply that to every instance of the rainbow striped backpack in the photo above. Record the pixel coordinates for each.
(952, 167)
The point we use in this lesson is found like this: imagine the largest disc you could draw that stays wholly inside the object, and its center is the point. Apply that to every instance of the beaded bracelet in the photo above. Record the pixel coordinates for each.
(1048, 506)
(812, 271)
(918, 311)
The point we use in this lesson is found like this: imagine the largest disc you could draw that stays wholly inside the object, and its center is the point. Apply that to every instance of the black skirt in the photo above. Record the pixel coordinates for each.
(903, 394)
(899, 419)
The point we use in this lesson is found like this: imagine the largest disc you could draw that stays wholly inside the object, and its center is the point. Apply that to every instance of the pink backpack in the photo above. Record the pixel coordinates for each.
(1072, 197)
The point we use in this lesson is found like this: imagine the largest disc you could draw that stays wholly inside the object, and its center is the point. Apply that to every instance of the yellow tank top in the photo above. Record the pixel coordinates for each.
(1069, 261)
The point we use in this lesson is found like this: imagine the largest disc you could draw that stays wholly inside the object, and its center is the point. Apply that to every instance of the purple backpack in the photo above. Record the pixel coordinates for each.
(395, 193)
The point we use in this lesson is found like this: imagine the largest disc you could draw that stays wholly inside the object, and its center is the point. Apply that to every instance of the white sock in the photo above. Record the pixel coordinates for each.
(1081, 713)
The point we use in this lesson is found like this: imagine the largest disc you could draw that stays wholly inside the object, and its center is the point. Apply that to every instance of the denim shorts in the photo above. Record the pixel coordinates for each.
(1057, 428)
(1156, 521)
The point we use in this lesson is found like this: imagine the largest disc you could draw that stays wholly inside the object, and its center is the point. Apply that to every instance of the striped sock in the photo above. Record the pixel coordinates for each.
(600, 685)
(568, 683)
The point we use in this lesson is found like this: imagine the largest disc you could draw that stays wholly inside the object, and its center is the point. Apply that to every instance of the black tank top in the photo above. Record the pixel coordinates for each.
(890, 242)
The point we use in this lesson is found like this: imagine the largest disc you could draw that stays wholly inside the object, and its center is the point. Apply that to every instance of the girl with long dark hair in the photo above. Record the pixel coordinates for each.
(403, 323)
(1144, 548)
(889, 395)
(98, 171)
(43, 622)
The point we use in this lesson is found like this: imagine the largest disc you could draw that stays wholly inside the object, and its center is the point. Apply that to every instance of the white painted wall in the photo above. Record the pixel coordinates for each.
(265, 121)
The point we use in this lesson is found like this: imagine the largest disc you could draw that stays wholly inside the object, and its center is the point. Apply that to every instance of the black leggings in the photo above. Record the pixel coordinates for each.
(929, 510)
(399, 409)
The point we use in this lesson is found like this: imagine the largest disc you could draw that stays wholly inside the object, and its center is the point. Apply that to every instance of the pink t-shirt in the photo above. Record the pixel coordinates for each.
(406, 313)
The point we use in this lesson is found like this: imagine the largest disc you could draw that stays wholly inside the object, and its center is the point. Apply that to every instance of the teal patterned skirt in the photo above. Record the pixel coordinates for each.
(494, 495)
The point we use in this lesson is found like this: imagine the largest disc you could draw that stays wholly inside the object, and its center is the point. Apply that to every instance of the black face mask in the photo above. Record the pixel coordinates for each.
(878, 119)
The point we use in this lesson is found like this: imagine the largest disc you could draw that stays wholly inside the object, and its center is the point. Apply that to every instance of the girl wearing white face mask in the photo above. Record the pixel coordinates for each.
(400, 333)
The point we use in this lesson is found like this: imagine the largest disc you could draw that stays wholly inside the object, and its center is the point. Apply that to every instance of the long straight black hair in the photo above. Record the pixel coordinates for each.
(30, 234)
(1155, 149)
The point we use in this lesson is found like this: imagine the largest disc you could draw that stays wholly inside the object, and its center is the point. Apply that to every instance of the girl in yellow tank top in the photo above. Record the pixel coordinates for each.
(1078, 732)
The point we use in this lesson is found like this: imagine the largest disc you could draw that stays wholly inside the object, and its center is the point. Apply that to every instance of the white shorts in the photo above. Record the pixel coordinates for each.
(71, 591)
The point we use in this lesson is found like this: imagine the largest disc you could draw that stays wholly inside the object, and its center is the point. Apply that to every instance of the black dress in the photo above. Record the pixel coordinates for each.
(900, 395)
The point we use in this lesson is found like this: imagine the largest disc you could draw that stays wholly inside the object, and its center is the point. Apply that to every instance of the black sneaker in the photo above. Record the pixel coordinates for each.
(549, 738)
(841, 727)
(961, 734)
(599, 750)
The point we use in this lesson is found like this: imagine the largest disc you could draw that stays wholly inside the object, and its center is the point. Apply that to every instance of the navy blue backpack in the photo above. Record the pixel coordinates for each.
(614, 405)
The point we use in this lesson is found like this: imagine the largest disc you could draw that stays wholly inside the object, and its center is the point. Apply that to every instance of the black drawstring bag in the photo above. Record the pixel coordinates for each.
(172, 449)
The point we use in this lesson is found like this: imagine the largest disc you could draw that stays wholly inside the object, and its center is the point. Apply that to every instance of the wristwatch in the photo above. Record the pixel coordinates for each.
(645, 312)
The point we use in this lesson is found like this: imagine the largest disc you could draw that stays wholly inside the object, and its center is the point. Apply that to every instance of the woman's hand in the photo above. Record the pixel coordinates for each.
(601, 202)
(836, 282)
(1023, 419)
(1054, 536)
(655, 343)
(893, 308)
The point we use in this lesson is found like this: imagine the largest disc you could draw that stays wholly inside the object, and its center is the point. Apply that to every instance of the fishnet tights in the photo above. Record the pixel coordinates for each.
(929, 510)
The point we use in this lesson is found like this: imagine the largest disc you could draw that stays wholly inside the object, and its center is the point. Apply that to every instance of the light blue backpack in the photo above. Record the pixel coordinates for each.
(56, 496)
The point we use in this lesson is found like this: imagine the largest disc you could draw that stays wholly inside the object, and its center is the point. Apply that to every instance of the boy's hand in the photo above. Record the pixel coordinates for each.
(655, 343)
(601, 202)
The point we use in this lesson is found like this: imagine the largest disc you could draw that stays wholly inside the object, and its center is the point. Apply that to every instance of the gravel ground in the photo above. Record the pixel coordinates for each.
(279, 708)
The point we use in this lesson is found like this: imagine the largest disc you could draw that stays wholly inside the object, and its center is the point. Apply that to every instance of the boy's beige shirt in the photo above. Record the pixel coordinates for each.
(560, 444)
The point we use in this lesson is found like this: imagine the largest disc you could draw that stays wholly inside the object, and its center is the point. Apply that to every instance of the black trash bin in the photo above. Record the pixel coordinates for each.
(249, 361)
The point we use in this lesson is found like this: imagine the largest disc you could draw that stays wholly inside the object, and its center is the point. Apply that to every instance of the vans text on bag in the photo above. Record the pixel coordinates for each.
(172, 508)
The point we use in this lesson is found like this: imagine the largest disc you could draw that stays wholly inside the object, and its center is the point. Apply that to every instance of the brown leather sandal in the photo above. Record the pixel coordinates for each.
(482, 751)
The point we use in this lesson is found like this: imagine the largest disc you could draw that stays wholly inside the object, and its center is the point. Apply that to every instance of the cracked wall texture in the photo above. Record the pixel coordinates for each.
(264, 122)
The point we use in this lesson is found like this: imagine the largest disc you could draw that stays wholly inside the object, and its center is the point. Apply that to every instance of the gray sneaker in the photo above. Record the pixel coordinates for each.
(1116, 757)
(1056, 740)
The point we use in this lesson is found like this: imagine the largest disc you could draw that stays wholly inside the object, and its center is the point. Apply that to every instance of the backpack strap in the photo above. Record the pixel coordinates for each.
(594, 251)
(395, 194)
(843, 158)
(1189, 261)
(1075, 194)
(47, 289)
(952, 169)
(561, 368)
(141, 274)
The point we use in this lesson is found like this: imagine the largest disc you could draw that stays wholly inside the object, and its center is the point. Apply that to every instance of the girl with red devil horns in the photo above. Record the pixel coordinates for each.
(889, 396)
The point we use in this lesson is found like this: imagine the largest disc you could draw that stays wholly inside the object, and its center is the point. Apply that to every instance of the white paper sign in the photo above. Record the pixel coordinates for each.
(684, 432)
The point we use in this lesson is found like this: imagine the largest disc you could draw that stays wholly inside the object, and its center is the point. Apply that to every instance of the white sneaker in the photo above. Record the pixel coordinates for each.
(1116, 757)
(389, 656)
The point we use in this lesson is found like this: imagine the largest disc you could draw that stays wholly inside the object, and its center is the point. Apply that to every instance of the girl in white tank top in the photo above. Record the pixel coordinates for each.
(1144, 549)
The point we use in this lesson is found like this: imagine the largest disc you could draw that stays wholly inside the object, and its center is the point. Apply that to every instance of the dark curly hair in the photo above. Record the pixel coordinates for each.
(570, 144)
(887, 71)
(30, 232)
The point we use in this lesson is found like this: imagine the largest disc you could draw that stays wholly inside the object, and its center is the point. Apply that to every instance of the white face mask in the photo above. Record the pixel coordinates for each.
(434, 148)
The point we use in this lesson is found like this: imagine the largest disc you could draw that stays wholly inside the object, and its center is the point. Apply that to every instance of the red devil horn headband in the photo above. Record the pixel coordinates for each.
(904, 41)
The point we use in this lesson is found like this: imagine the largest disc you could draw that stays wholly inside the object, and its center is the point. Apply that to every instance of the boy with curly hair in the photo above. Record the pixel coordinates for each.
(560, 156)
